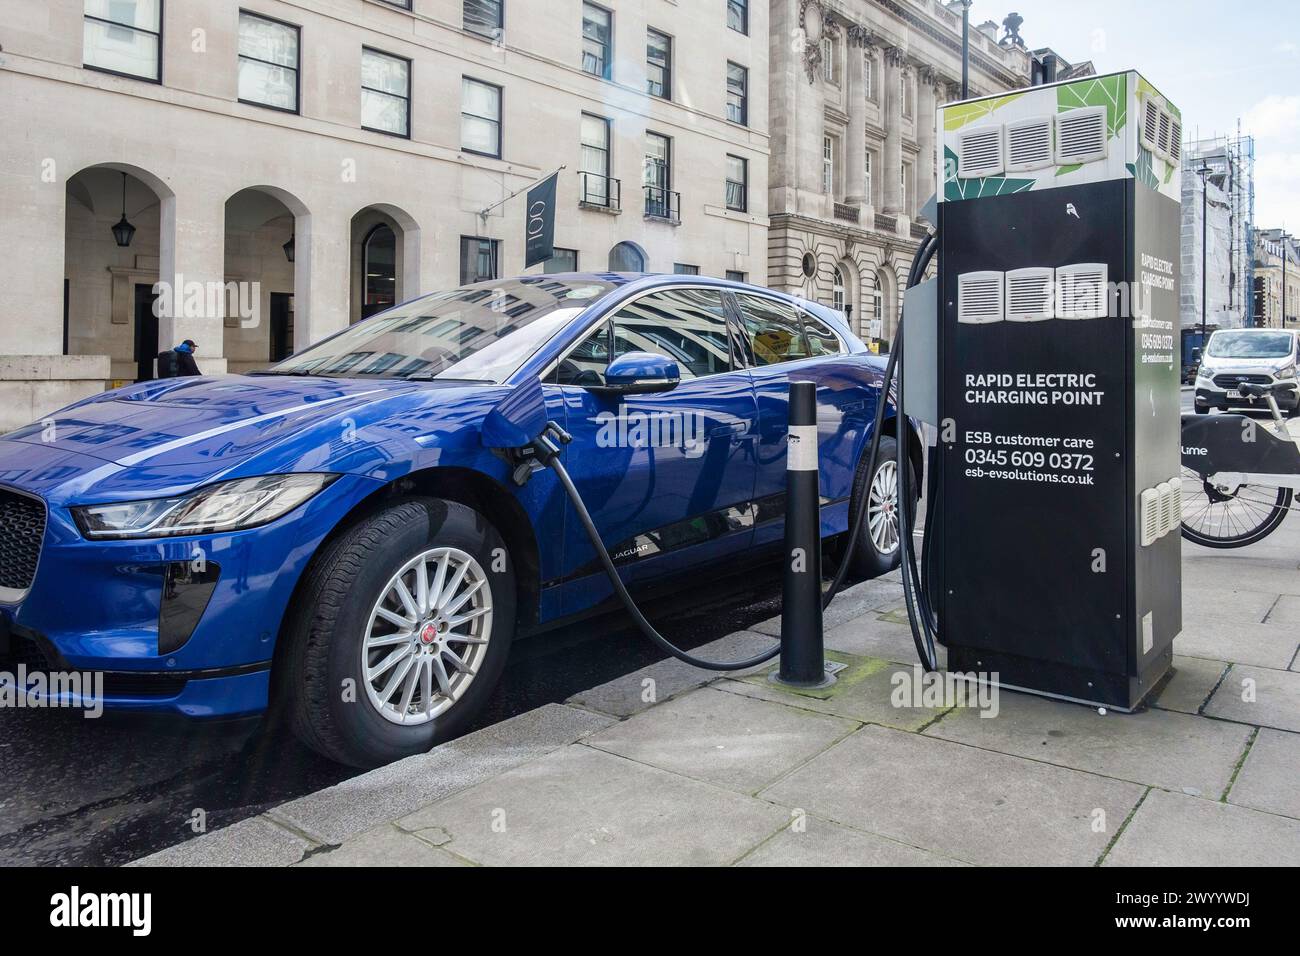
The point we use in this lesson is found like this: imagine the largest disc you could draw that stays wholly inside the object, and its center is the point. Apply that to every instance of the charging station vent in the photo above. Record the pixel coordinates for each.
(1151, 123)
(1175, 140)
(1081, 135)
(1029, 143)
(1163, 140)
(1030, 294)
(1082, 291)
(979, 153)
(1161, 510)
(980, 297)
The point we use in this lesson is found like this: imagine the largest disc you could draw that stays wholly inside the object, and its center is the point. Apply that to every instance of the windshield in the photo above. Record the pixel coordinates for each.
(1250, 344)
(481, 332)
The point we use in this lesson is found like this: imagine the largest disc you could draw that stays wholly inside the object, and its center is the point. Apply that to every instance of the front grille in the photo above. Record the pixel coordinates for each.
(1232, 380)
(36, 657)
(22, 527)
(28, 652)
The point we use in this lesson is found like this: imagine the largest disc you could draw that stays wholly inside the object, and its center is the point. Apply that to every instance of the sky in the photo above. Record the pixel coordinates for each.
(1217, 62)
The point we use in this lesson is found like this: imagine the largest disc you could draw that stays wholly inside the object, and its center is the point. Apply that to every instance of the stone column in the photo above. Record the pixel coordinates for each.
(855, 150)
(322, 267)
(891, 164)
(192, 260)
(926, 183)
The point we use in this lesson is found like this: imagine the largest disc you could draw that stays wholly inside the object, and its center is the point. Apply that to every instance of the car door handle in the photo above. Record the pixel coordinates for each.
(735, 428)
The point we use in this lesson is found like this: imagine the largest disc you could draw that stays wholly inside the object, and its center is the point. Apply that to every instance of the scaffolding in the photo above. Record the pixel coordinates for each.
(1229, 206)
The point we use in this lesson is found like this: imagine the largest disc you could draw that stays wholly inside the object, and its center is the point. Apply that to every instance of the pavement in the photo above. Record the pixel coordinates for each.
(670, 765)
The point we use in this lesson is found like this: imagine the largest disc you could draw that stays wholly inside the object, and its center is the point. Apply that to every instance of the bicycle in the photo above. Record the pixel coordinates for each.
(1239, 477)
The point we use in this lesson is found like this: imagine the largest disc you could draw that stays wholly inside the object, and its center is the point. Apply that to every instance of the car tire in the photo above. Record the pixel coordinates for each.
(869, 559)
(327, 698)
(1201, 408)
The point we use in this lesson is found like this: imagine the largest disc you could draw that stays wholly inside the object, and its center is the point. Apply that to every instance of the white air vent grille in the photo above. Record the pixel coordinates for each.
(1160, 511)
(1081, 135)
(979, 153)
(1175, 140)
(979, 297)
(1151, 123)
(1163, 141)
(1029, 143)
(1081, 291)
(1029, 295)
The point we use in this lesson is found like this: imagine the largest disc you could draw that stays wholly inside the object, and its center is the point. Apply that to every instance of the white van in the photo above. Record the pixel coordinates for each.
(1255, 356)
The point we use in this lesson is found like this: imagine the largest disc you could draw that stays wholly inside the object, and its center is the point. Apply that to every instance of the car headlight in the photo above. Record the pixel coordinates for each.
(1204, 373)
(1287, 372)
(227, 506)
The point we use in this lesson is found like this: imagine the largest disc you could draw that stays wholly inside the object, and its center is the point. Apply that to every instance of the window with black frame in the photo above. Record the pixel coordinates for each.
(659, 64)
(737, 183)
(594, 160)
(688, 326)
(597, 31)
(822, 340)
(123, 37)
(738, 15)
(737, 94)
(484, 17)
(478, 259)
(480, 117)
(385, 93)
(268, 62)
(658, 176)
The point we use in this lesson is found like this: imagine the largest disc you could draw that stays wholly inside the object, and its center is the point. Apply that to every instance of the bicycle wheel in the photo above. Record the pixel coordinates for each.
(1219, 517)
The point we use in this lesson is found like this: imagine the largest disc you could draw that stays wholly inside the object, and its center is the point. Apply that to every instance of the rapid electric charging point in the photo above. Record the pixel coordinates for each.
(1058, 557)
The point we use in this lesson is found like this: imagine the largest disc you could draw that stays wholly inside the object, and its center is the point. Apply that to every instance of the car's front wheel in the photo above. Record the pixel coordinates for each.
(877, 549)
(399, 634)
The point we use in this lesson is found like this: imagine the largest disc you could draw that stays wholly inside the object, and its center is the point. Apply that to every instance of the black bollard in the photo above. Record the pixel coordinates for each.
(802, 657)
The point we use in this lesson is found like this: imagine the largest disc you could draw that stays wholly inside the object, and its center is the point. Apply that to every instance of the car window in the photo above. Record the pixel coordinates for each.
(585, 364)
(688, 326)
(821, 340)
(773, 330)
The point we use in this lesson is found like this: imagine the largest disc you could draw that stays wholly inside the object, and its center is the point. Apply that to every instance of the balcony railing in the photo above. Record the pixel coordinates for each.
(661, 203)
(600, 192)
(846, 212)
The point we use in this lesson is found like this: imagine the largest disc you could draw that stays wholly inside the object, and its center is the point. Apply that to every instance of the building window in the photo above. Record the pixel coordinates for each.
(594, 164)
(737, 183)
(866, 182)
(659, 64)
(905, 103)
(596, 33)
(829, 73)
(903, 176)
(385, 93)
(735, 276)
(564, 260)
(480, 117)
(478, 259)
(484, 17)
(268, 62)
(404, 4)
(828, 165)
(379, 268)
(738, 16)
(683, 269)
(123, 36)
(837, 290)
(626, 257)
(869, 76)
(737, 94)
(658, 176)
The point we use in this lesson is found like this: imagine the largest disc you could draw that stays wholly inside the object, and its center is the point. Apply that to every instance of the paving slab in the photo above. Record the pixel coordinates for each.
(1270, 776)
(961, 802)
(385, 845)
(255, 841)
(1241, 570)
(655, 683)
(823, 843)
(584, 807)
(1276, 696)
(1156, 747)
(871, 635)
(863, 691)
(1190, 684)
(1225, 605)
(337, 813)
(1285, 613)
(1264, 645)
(1173, 829)
(735, 742)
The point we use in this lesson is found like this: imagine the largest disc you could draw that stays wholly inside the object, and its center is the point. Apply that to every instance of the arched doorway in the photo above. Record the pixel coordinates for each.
(627, 257)
(264, 248)
(384, 260)
(115, 238)
(883, 305)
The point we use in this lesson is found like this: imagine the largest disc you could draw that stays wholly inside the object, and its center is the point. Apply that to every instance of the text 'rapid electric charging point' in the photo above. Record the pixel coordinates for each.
(1059, 555)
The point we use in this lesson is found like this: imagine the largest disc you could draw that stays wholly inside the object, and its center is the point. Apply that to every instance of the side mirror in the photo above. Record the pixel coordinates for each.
(639, 373)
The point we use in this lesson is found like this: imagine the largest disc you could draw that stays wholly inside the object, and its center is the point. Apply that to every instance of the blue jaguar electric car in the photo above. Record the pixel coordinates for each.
(333, 536)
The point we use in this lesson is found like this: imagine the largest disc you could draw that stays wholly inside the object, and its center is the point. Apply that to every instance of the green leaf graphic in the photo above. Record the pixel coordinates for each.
(1068, 168)
(1108, 91)
(955, 117)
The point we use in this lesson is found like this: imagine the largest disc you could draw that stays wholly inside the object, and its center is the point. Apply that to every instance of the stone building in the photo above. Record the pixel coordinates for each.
(286, 167)
(855, 86)
(1271, 246)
